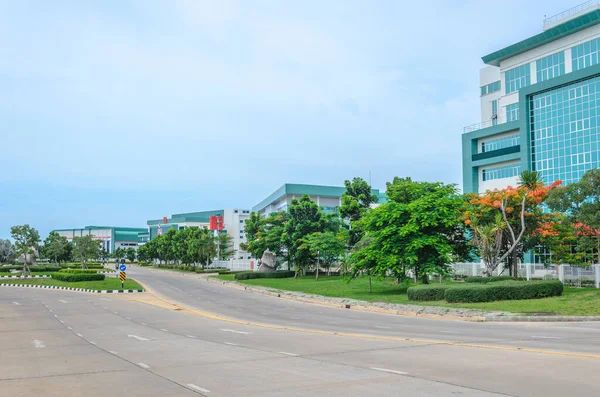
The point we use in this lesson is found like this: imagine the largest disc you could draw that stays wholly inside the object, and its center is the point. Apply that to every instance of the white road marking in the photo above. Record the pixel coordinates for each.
(449, 332)
(104, 299)
(55, 315)
(265, 314)
(61, 321)
(63, 301)
(382, 327)
(112, 352)
(332, 322)
(191, 336)
(104, 307)
(50, 310)
(231, 344)
(544, 337)
(69, 328)
(128, 318)
(80, 335)
(234, 331)
(146, 366)
(164, 330)
(143, 323)
(136, 337)
(39, 343)
(116, 312)
(200, 389)
(16, 303)
(288, 354)
(93, 343)
(391, 371)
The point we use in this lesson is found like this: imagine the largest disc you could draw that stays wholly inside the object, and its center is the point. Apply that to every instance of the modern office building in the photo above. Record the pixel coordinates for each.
(112, 237)
(230, 221)
(326, 197)
(540, 106)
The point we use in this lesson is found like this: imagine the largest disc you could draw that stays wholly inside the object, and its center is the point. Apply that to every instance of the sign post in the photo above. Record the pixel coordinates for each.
(122, 275)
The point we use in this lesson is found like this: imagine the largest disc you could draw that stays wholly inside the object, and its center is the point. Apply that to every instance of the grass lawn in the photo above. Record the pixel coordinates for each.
(108, 283)
(573, 302)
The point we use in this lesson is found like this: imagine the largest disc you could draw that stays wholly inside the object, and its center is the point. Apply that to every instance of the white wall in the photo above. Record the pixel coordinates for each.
(496, 183)
(234, 223)
(489, 75)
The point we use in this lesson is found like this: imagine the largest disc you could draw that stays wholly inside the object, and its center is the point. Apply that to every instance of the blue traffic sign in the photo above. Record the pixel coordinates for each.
(122, 268)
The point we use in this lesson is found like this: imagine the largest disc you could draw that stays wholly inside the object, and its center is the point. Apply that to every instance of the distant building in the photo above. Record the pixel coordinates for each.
(112, 237)
(326, 197)
(230, 221)
(540, 106)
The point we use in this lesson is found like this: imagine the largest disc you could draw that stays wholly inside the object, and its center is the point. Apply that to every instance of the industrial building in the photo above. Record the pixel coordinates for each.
(230, 221)
(112, 237)
(540, 106)
(326, 197)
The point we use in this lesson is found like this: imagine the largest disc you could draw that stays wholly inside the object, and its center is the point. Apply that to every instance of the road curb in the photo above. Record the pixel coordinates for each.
(43, 276)
(95, 291)
(408, 313)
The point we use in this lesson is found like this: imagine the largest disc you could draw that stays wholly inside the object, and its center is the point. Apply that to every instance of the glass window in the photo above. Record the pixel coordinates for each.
(512, 112)
(585, 54)
(501, 143)
(517, 78)
(492, 87)
(501, 172)
(550, 66)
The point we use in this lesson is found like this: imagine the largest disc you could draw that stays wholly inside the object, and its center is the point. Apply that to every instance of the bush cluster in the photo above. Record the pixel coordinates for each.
(79, 271)
(485, 280)
(253, 275)
(90, 265)
(75, 277)
(42, 268)
(222, 272)
(504, 290)
(429, 292)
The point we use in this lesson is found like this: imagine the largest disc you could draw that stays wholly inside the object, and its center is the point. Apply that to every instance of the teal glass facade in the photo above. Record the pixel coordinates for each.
(564, 127)
(550, 67)
(492, 87)
(585, 55)
(502, 171)
(500, 143)
(512, 112)
(517, 78)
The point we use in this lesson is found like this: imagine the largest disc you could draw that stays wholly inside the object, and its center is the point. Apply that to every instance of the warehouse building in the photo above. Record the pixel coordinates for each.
(112, 237)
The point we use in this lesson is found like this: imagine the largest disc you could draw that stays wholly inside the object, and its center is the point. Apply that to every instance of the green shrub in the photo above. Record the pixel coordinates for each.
(249, 275)
(89, 265)
(42, 268)
(74, 277)
(504, 290)
(429, 292)
(485, 280)
(199, 270)
(79, 271)
(4, 269)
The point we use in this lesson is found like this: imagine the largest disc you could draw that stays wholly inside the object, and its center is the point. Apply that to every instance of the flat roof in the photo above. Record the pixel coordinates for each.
(554, 33)
(202, 216)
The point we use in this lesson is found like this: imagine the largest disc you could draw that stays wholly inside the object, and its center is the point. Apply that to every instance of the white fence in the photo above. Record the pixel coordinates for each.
(569, 275)
(237, 264)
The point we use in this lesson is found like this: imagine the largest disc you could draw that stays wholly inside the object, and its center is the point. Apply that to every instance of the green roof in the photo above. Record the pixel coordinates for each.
(115, 228)
(203, 216)
(564, 29)
(126, 235)
(299, 190)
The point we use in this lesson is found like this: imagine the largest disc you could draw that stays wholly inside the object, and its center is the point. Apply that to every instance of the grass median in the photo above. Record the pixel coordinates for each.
(106, 284)
(573, 302)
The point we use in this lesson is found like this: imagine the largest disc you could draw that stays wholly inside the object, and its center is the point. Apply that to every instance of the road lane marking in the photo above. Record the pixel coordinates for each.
(195, 387)
(382, 327)
(391, 371)
(137, 337)
(145, 366)
(191, 336)
(63, 301)
(234, 331)
(81, 336)
(104, 299)
(231, 344)
(55, 315)
(69, 328)
(143, 323)
(288, 354)
(116, 312)
(50, 310)
(449, 332)
(93, 343)
(359, 336)
(164, 330)
(128, 318)
(544, 337)
(38, 343)
(16, 303)
(61, 321)
(112, 352)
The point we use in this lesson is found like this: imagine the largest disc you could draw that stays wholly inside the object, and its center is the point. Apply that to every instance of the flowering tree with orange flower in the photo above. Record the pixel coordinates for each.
(502, 222)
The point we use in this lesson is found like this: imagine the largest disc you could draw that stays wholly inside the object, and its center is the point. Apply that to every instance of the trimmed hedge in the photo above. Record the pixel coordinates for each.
(504, 290)
(39, 268)
(429, 292)
(253, 275)
(222, 272)
(485, 280)
(79, 271)
(75, 277)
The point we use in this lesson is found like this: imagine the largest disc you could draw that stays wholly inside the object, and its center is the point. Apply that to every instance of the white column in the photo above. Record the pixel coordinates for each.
(561, 273)
(533, 72)
(528, 271)
(597, 275)
(474, 269)
(568, 61)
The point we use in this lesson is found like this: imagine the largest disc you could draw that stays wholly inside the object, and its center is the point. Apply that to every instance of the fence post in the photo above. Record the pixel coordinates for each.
(597, 275)
(474, 269)
(528, 271)
(561, 273)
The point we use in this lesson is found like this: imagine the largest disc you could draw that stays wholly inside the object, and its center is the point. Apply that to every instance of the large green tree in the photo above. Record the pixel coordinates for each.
(327, 247)
(356, 201)
(56, 247)
(130, 253)
(414, 231)
(202, 247)
(86, 248)
(224, 246)
(27, 240)
(266, 234)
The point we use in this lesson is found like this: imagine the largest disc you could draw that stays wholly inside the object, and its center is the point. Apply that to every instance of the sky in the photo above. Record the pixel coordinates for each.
(120, 111)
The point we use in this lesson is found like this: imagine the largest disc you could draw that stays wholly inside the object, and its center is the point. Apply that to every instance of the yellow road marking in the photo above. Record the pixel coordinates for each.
(175, 306)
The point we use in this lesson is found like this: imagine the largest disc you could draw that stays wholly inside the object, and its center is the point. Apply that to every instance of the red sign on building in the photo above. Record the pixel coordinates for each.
(216, 222)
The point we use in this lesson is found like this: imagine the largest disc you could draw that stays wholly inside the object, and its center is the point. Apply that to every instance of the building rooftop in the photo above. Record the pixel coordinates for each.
(202, 216)
(588, 14)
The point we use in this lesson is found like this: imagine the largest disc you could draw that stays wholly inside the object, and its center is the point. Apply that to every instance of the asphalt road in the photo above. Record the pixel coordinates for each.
(62, 343)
